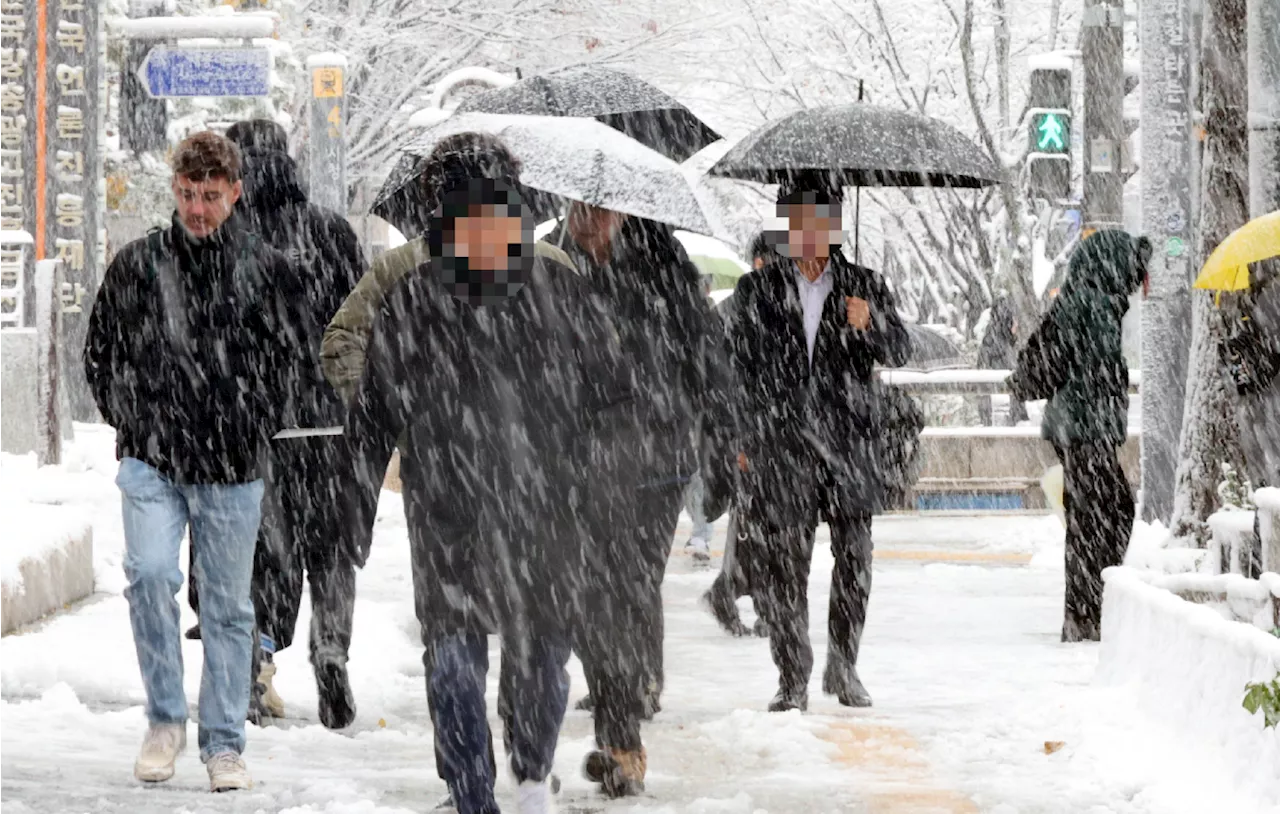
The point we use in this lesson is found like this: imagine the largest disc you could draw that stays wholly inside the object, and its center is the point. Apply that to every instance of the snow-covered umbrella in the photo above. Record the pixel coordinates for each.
(861, 145)
(568, 158)
(614, 98)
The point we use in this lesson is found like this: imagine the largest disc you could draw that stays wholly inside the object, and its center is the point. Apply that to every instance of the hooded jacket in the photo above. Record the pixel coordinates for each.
(327, 258)
(184, 353)
(1074, 358)
(494, 407)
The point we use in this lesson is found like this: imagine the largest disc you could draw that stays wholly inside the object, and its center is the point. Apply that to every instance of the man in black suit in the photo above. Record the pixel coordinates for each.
(808, 332)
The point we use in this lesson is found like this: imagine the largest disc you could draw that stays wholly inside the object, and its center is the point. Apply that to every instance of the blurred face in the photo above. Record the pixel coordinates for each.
(203, 206)
(812, 229)
(485, 237)
(758, 263)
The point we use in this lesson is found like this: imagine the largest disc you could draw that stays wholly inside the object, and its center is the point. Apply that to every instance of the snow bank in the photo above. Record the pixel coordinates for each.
(1232, 531)
(328, 59)
(239, 26)
(1190, 667)
(1149, 550)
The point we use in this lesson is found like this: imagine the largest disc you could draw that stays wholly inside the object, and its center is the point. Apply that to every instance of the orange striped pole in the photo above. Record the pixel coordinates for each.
(42, 121)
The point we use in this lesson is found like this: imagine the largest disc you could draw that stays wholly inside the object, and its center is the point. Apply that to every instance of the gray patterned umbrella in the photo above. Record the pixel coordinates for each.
(562, 159)
(860, 145)
(622, 101)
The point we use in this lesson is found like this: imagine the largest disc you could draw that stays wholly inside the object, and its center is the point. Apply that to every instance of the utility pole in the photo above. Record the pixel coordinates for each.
(1165, 36)
(1264, 106)
(1102, 49)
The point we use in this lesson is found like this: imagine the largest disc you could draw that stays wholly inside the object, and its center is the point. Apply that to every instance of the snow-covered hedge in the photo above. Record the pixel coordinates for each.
(1232, 531)
(1192, 665)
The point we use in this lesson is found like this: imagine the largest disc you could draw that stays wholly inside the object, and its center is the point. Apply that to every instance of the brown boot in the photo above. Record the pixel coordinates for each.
(619, 773)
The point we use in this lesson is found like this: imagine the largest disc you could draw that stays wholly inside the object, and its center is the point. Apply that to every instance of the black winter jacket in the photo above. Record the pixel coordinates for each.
(672, 344)
(1074, 358)
(496, 405)
(184, 352)
(794, 421)
(327, 259)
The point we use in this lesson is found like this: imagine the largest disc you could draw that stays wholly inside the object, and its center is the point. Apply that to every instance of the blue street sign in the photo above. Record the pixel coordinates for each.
(169, 71)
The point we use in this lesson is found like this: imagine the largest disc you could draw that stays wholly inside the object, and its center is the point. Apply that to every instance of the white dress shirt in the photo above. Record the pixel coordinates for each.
(813, 296)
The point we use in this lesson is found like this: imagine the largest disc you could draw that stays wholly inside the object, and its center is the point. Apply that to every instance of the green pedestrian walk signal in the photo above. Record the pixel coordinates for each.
(1050, 131)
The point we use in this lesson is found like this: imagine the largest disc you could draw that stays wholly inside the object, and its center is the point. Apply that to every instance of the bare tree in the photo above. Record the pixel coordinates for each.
(1210, 436)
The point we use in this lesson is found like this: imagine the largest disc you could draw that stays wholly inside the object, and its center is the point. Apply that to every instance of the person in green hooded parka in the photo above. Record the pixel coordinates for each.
(1074, 359)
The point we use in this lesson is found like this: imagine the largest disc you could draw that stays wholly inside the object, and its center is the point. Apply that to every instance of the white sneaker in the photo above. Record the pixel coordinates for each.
(160, 749)
(227, 772)
(699, 547)
(534, 798)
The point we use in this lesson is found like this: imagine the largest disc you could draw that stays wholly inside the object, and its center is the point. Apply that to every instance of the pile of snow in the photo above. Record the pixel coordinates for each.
(1151, 549)
(1191, 667)
(44, 508)
(1232, 531)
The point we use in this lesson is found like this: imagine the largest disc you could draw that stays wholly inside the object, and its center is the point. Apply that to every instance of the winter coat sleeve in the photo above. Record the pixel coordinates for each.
(109, 360)
(378, 415)
(342, 351)
(890, 343)
(1041, 368)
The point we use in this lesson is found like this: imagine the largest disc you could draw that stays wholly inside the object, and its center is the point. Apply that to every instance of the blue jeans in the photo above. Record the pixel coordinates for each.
(539, 695)
(694, 495)
(224, 527)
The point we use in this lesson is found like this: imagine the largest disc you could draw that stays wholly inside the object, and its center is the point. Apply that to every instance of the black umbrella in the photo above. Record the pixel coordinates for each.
(617, 99)
(931, 350)
(863, 145)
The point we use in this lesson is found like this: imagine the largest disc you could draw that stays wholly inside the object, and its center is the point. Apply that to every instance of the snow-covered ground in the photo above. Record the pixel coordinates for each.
(979, 708)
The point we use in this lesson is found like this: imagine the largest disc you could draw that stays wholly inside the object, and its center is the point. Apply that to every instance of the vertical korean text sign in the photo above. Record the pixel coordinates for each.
(21, 50)
(72, 223)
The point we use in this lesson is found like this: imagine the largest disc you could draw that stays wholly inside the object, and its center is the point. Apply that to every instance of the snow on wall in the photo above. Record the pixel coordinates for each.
(1268, 498)
(1190, 666)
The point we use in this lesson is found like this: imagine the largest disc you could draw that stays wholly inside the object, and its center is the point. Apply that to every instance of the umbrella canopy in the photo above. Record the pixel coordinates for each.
(569, 158)
(619, 100)
(1227, 269)
(714, 258)
(863, 145)
(931, 350)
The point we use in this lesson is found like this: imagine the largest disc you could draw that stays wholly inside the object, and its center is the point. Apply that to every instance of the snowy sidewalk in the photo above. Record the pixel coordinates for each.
(961, 655)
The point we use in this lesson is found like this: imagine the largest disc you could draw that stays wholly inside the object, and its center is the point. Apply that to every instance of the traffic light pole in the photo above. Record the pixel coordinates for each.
(1165, 36)
(1102, 51)
(1264, 106)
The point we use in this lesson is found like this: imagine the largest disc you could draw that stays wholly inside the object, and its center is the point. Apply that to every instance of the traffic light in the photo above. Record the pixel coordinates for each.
(1049, 134)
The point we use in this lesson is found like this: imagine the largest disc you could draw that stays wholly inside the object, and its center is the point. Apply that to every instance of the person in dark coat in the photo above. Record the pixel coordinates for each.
(807, 335)
(300, 518)
(721, 467)
(1075, 360)
(665, 325)
(1251, 355)
(492, 368)
(999, 351)
(184, 359)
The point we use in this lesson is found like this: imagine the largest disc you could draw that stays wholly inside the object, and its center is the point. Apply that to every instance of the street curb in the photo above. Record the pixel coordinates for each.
(61, 575)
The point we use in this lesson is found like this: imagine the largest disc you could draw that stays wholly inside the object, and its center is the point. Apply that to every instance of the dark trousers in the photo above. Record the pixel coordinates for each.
(1099, 507)
(539, 696)
(300, 531)
(779, 578)
(621, 640)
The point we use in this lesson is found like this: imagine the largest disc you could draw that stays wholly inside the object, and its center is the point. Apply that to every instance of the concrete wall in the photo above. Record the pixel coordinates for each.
(18, 406)
(61, 576)
(18, 390)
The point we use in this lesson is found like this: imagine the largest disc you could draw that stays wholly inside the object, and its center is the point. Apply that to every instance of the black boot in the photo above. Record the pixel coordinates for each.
(789, 698)
(719, 600)
(337, 705)
(841, 680)
(193, 632)
(619, 773)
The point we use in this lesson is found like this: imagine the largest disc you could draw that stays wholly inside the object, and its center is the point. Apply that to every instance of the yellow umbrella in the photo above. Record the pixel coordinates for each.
(1227, 269)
